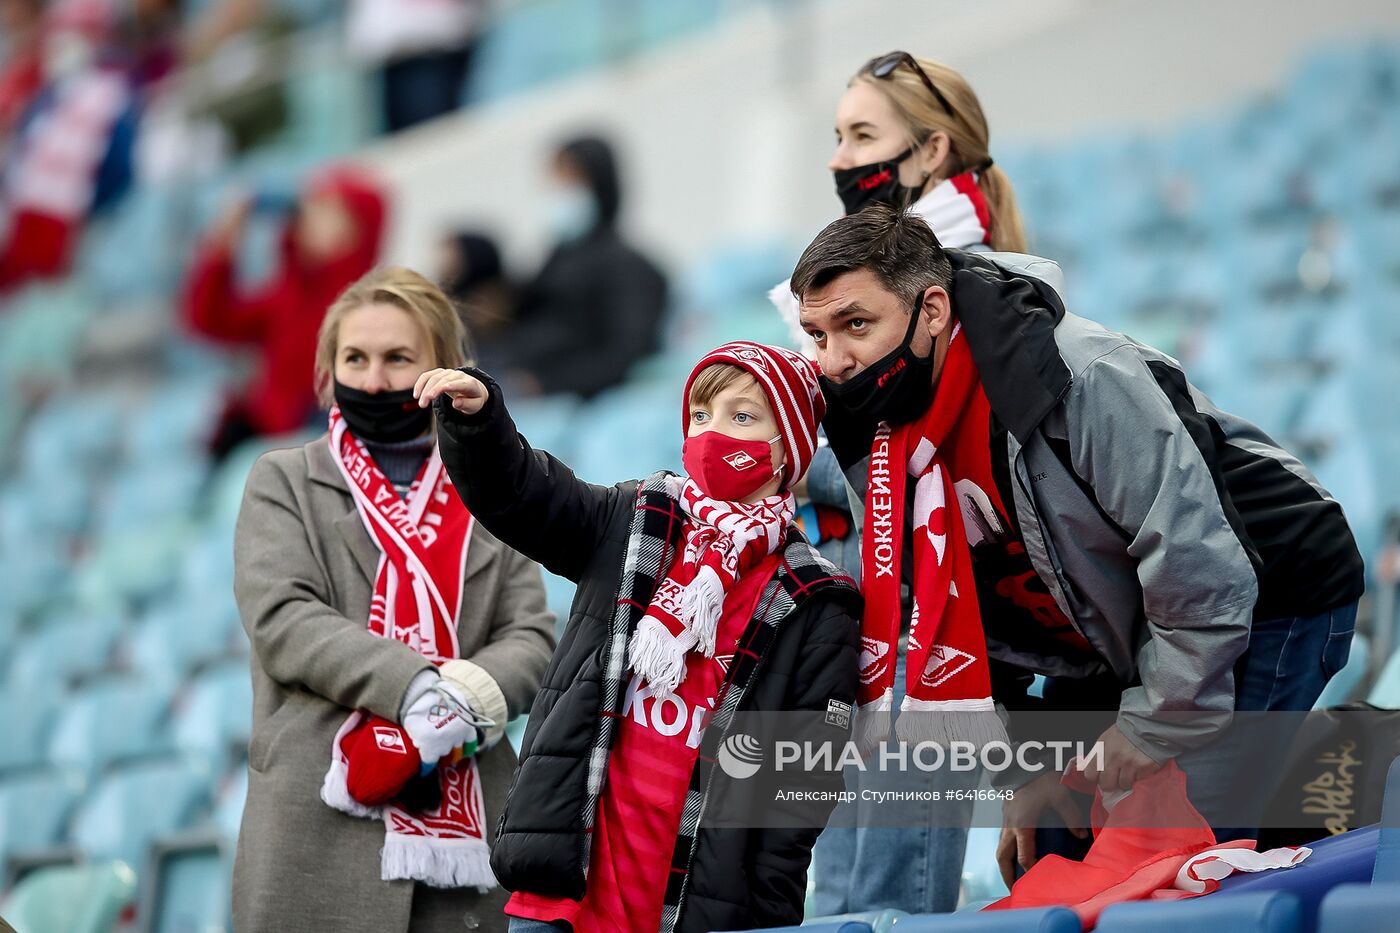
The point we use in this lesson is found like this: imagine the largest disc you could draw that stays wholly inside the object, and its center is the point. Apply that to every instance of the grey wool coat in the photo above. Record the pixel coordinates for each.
(304, 568)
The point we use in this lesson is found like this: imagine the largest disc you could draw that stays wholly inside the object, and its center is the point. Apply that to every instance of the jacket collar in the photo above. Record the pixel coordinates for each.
(1010, 323)
(320, 468)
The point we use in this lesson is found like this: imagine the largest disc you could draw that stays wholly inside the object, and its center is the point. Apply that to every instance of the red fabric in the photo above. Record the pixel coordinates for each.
(1139, 846)
(789, 380)
(966, 184)
(947, 664)
(20, 80)
(639, 812)
(39, 247)
(380, 759)
(283, 318)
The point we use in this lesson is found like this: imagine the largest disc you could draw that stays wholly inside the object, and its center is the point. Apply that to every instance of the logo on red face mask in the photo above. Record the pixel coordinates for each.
(740, 461)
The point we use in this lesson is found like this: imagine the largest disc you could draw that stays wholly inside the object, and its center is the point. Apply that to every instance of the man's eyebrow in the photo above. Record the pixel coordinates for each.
(849, 310)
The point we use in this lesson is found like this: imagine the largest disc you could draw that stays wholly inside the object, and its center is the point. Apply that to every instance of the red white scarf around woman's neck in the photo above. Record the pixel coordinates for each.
(422, 541)
(947, 681)
(722, 541)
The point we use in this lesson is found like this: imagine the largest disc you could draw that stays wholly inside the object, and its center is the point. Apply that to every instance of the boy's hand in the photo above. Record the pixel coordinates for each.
(468, 393)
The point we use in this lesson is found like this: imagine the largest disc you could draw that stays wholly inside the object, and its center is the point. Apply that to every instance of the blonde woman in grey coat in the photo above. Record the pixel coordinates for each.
(357, 570)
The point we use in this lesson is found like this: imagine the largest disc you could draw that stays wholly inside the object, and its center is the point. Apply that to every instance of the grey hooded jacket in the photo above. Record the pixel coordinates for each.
(1161, 525)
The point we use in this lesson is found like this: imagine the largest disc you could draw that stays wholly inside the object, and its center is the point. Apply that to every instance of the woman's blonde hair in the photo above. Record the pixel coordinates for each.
(967, 133)
(402, 288)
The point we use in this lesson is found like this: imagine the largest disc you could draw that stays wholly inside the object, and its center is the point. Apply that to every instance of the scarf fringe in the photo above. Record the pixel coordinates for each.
(872, 725)
(335, 791)
(657, 655)
(943, 727)
(440, 863)
(701, 606)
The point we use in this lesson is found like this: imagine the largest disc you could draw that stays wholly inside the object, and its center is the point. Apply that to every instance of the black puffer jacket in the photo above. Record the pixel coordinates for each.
(610, 540)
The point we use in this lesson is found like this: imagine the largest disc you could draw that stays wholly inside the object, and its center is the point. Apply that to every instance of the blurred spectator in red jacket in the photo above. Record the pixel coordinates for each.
(331, 239)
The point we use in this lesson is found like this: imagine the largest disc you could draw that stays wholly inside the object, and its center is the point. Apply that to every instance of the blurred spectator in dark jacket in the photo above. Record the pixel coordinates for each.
(470, 272)
(422, 49)
(596, 306)
(330, 240)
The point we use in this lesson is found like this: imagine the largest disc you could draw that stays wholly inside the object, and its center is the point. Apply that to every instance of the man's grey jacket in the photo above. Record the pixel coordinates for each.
(1161, 525)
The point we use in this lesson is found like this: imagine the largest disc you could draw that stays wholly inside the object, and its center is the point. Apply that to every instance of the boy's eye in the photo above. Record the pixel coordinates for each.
(743, 417)
(699, 416)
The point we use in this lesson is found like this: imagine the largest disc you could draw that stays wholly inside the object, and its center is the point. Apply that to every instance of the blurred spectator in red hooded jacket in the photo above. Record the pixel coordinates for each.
(331, 239)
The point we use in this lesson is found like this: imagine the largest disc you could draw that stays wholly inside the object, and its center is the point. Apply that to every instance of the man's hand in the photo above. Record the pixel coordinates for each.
(1123, 763)
(468, 393)
(1021, 814)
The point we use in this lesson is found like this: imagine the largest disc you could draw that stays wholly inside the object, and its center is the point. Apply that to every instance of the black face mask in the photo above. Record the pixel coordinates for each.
(860, 186)
(895, 389)
(386, 417)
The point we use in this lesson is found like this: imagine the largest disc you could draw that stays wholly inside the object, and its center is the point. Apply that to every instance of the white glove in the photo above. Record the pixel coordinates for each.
(435, 721)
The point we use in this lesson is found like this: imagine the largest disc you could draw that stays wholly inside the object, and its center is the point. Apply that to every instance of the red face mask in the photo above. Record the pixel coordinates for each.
(727, 468)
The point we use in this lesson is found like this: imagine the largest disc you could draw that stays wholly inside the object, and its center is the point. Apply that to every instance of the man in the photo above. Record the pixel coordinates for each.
(1144, 550)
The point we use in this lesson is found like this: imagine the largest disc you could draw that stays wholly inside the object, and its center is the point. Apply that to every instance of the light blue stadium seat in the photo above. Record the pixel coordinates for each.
(1039, 920)
(213, 714)
(191, 890)
(548, 423)
(71, 898)
(34, 806)
(178, 633)
(822, 925)
(559, 596)
(80, 428)
(69, 645)
(532, 44)
(981, 878)
(229, 800)
(131, 253)
(34, 573)
(151, 490)
(134, 804)
(1345, 682)
(135, 563)
(1385, 692)
(1360, 908)
(110, 720)
(1275, 912)
(39, 331)
(24, 739)
(175, 419)
(1387, 868)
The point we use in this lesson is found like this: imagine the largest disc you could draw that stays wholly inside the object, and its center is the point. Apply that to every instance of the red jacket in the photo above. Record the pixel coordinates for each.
(282, 319)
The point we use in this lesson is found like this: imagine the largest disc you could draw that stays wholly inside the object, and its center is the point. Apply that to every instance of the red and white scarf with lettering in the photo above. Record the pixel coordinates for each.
(947, 681)
(422, 543)
(722, 541)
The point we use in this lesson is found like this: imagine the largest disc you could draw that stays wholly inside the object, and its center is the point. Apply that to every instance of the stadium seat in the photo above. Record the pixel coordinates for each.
(213, 715)
(134, 804)
(188, 888)
(1387, 868)
(1275, 912)
(1360, 908)
(71, 898)
(1039, 920)
(981, 877)
(24, 738)
(1348, 680)
(109, 720)
(177, 634)
(229, 800)
(67, 645)
(879, 921)
(34, 806)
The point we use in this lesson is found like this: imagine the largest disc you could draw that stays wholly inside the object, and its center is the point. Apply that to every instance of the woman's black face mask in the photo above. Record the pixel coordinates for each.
(875, 183)
(385, 417)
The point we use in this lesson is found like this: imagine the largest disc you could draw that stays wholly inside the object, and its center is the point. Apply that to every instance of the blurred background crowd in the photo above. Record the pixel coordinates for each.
(608, 188)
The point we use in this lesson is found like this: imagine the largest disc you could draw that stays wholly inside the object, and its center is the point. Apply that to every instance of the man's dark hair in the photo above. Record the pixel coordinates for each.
(897, 246)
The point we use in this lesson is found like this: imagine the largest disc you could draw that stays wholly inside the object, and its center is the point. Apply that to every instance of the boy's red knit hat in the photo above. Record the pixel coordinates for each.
(789, 381)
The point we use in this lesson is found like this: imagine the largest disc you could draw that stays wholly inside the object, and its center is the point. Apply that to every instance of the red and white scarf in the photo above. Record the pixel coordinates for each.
(722, 541)
(422, 545)
(946, 668)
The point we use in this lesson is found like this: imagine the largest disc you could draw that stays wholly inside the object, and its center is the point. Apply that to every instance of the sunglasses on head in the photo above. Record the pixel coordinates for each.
(884, 65)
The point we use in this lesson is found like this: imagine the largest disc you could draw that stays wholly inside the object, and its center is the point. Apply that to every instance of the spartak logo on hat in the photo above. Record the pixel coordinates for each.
(390, 740)
(740, 461)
